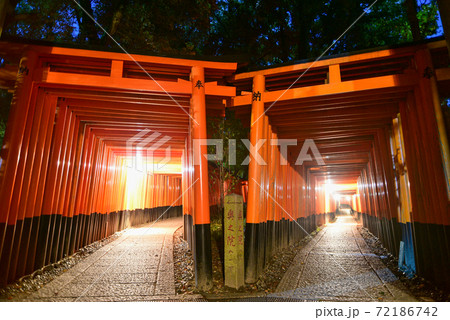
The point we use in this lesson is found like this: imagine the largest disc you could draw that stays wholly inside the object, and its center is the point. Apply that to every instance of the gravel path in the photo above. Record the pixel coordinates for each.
(136, 267)
(421, 288)
(337, 265)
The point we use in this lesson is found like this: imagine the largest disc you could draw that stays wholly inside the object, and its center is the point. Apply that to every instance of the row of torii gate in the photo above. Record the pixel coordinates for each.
(375, 118)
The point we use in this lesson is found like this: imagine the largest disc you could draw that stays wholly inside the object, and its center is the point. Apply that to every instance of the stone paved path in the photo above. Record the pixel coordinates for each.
(136, 267)
(337, 265)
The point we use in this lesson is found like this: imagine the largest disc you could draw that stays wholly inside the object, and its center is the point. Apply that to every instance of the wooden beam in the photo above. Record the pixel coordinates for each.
(377, 83)
(442, 74)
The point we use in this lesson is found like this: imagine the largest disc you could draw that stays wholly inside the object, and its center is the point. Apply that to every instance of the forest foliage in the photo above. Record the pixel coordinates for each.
(259, 32)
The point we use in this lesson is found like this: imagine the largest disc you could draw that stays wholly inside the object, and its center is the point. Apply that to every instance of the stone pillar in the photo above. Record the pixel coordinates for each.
(234, 240)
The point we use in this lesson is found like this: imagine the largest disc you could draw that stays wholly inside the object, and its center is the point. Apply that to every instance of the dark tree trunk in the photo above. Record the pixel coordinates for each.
(3, 7)
(444, 11)
(7, 14)
(284, 44)
(88, 28)
(116, 19)
(302, 24)
(411, 13)
(303, 49)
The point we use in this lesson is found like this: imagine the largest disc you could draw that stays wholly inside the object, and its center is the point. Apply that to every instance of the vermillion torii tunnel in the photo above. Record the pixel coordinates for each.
(72, 154)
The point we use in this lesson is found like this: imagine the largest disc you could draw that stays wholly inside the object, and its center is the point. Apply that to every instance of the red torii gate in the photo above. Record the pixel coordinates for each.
(363, 111)
(375, 117)
(64, 172)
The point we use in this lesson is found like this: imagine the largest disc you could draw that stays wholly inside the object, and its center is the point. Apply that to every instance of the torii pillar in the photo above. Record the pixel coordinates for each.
(202, 230)
(253, 244)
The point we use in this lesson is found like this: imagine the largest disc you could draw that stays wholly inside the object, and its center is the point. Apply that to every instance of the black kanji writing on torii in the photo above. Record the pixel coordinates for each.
(256, 96)
(23, 69)
(428, 73)
(199, 84)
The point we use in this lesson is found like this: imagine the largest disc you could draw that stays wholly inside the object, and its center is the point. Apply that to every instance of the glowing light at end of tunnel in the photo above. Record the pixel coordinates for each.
(330, 188)
(145, 231)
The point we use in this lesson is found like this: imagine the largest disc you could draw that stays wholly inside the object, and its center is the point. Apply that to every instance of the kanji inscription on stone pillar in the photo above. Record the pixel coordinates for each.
(234, 241)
